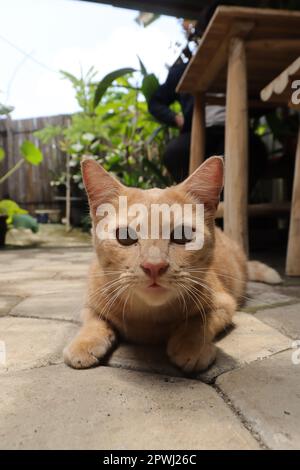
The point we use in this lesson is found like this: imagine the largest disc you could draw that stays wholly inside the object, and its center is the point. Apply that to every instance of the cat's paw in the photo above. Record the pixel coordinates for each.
(191, 357)
(83, 353)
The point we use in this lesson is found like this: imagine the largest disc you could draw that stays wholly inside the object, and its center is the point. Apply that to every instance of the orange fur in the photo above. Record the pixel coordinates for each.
(200, 292)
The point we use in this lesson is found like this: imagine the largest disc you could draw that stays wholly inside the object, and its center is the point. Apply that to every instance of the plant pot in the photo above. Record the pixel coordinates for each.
(3, 229)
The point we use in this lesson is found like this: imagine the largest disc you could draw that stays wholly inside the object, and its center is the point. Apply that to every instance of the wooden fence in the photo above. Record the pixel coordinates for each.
(31, 186)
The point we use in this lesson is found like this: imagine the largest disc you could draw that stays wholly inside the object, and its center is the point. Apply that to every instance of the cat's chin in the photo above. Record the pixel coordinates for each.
(154, 295)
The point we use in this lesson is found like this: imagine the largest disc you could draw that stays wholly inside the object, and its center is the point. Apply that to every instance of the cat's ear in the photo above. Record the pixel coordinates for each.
(206, 183)
(100, 186)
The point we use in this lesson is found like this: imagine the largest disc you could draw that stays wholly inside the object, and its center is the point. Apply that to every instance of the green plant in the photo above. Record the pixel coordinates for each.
(280, 126)
(30, 153)
(115, 127)
(10, 209)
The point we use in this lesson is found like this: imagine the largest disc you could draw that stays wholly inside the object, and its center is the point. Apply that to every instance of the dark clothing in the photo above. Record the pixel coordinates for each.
(177, 152)
(166, 94)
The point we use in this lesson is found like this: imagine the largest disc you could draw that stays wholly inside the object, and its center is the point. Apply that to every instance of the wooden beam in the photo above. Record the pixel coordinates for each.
(197, 151)
(265, 209)
(272, 45)
(293, 250)
(236, 146)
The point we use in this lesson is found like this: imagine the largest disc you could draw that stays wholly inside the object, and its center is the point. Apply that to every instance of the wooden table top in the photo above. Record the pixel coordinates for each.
(272, 39)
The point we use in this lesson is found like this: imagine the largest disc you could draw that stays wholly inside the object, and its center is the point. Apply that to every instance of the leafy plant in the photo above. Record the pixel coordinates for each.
(115, 127)
(10, 209)
(30, 153)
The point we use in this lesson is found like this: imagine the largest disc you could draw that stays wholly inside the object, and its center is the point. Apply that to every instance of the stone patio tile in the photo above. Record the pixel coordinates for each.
(59, 305)
(291, 291)
(267, 394)
(75, 272)
(8, 257)
(7, 302)
(143, 358)
(261, 296)
(250, 340)
(46, 286)
(14, 276)
(285, 319)
(108, 408)
(32, 343)
(55, 266)
(69, 254)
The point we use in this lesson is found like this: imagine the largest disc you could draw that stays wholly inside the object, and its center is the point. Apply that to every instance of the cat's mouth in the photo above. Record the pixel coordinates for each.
(154, 286)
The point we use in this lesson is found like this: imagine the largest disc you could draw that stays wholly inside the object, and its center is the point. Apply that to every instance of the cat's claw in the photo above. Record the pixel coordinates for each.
(191, 359)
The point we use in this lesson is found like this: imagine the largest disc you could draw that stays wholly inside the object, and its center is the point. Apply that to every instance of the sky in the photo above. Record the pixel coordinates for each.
(40, 37)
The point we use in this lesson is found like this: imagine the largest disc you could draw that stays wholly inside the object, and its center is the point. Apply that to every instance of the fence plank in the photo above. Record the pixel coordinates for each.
(31, 186)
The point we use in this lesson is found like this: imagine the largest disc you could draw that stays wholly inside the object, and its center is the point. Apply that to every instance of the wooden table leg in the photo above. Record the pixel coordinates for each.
(236, 146)
(197, 152)
(293, 250)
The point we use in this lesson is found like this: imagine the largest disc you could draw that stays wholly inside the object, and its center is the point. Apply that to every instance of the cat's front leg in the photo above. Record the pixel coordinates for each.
(190, 347)
(92, 343)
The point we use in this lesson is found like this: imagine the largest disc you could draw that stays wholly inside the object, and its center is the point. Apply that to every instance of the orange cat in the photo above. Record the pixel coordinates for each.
(155, 290)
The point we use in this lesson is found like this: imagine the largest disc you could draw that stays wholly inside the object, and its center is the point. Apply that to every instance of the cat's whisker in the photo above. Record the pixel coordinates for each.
(112, 300)
(183, 300)
(123, 311)
(191, 294)
(220, 275)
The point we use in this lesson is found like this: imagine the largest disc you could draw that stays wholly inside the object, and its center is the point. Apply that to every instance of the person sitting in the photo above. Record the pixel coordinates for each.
(177, 151)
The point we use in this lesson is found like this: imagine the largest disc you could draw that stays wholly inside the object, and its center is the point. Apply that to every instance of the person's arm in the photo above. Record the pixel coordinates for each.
(165, 95)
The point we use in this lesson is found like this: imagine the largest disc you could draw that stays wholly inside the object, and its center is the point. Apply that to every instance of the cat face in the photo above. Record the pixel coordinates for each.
(150, 250)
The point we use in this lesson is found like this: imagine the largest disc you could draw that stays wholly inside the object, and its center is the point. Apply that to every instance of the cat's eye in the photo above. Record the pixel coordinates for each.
(182, 234)
(126, 236)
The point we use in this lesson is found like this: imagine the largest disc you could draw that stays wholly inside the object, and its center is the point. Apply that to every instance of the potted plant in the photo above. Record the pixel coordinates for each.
(9, 209)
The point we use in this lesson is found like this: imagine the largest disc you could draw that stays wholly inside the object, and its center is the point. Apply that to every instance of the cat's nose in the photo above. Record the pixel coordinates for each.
(154, 270)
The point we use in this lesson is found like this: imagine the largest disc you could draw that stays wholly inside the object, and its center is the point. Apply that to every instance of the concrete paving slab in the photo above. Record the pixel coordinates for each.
(107, 408)
(38, 287)
(250, 340)
(28, 274)
(143, 358)
(261, 296)
(32, 343)
(267, 394)
(285, 319)
(7, 302)
(59, 305)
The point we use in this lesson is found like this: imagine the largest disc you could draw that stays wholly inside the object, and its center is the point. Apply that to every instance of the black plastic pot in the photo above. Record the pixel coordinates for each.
(3, 229)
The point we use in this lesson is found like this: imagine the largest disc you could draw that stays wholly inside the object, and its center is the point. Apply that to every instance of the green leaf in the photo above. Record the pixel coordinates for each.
(10, 208)
(74, 80)
(143, 68)
(149, 86)
(2, 154)
(31, 153)
(107, 81)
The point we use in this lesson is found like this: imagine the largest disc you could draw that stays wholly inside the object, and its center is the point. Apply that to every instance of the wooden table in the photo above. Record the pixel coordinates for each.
(285, 90)
(241, 51)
